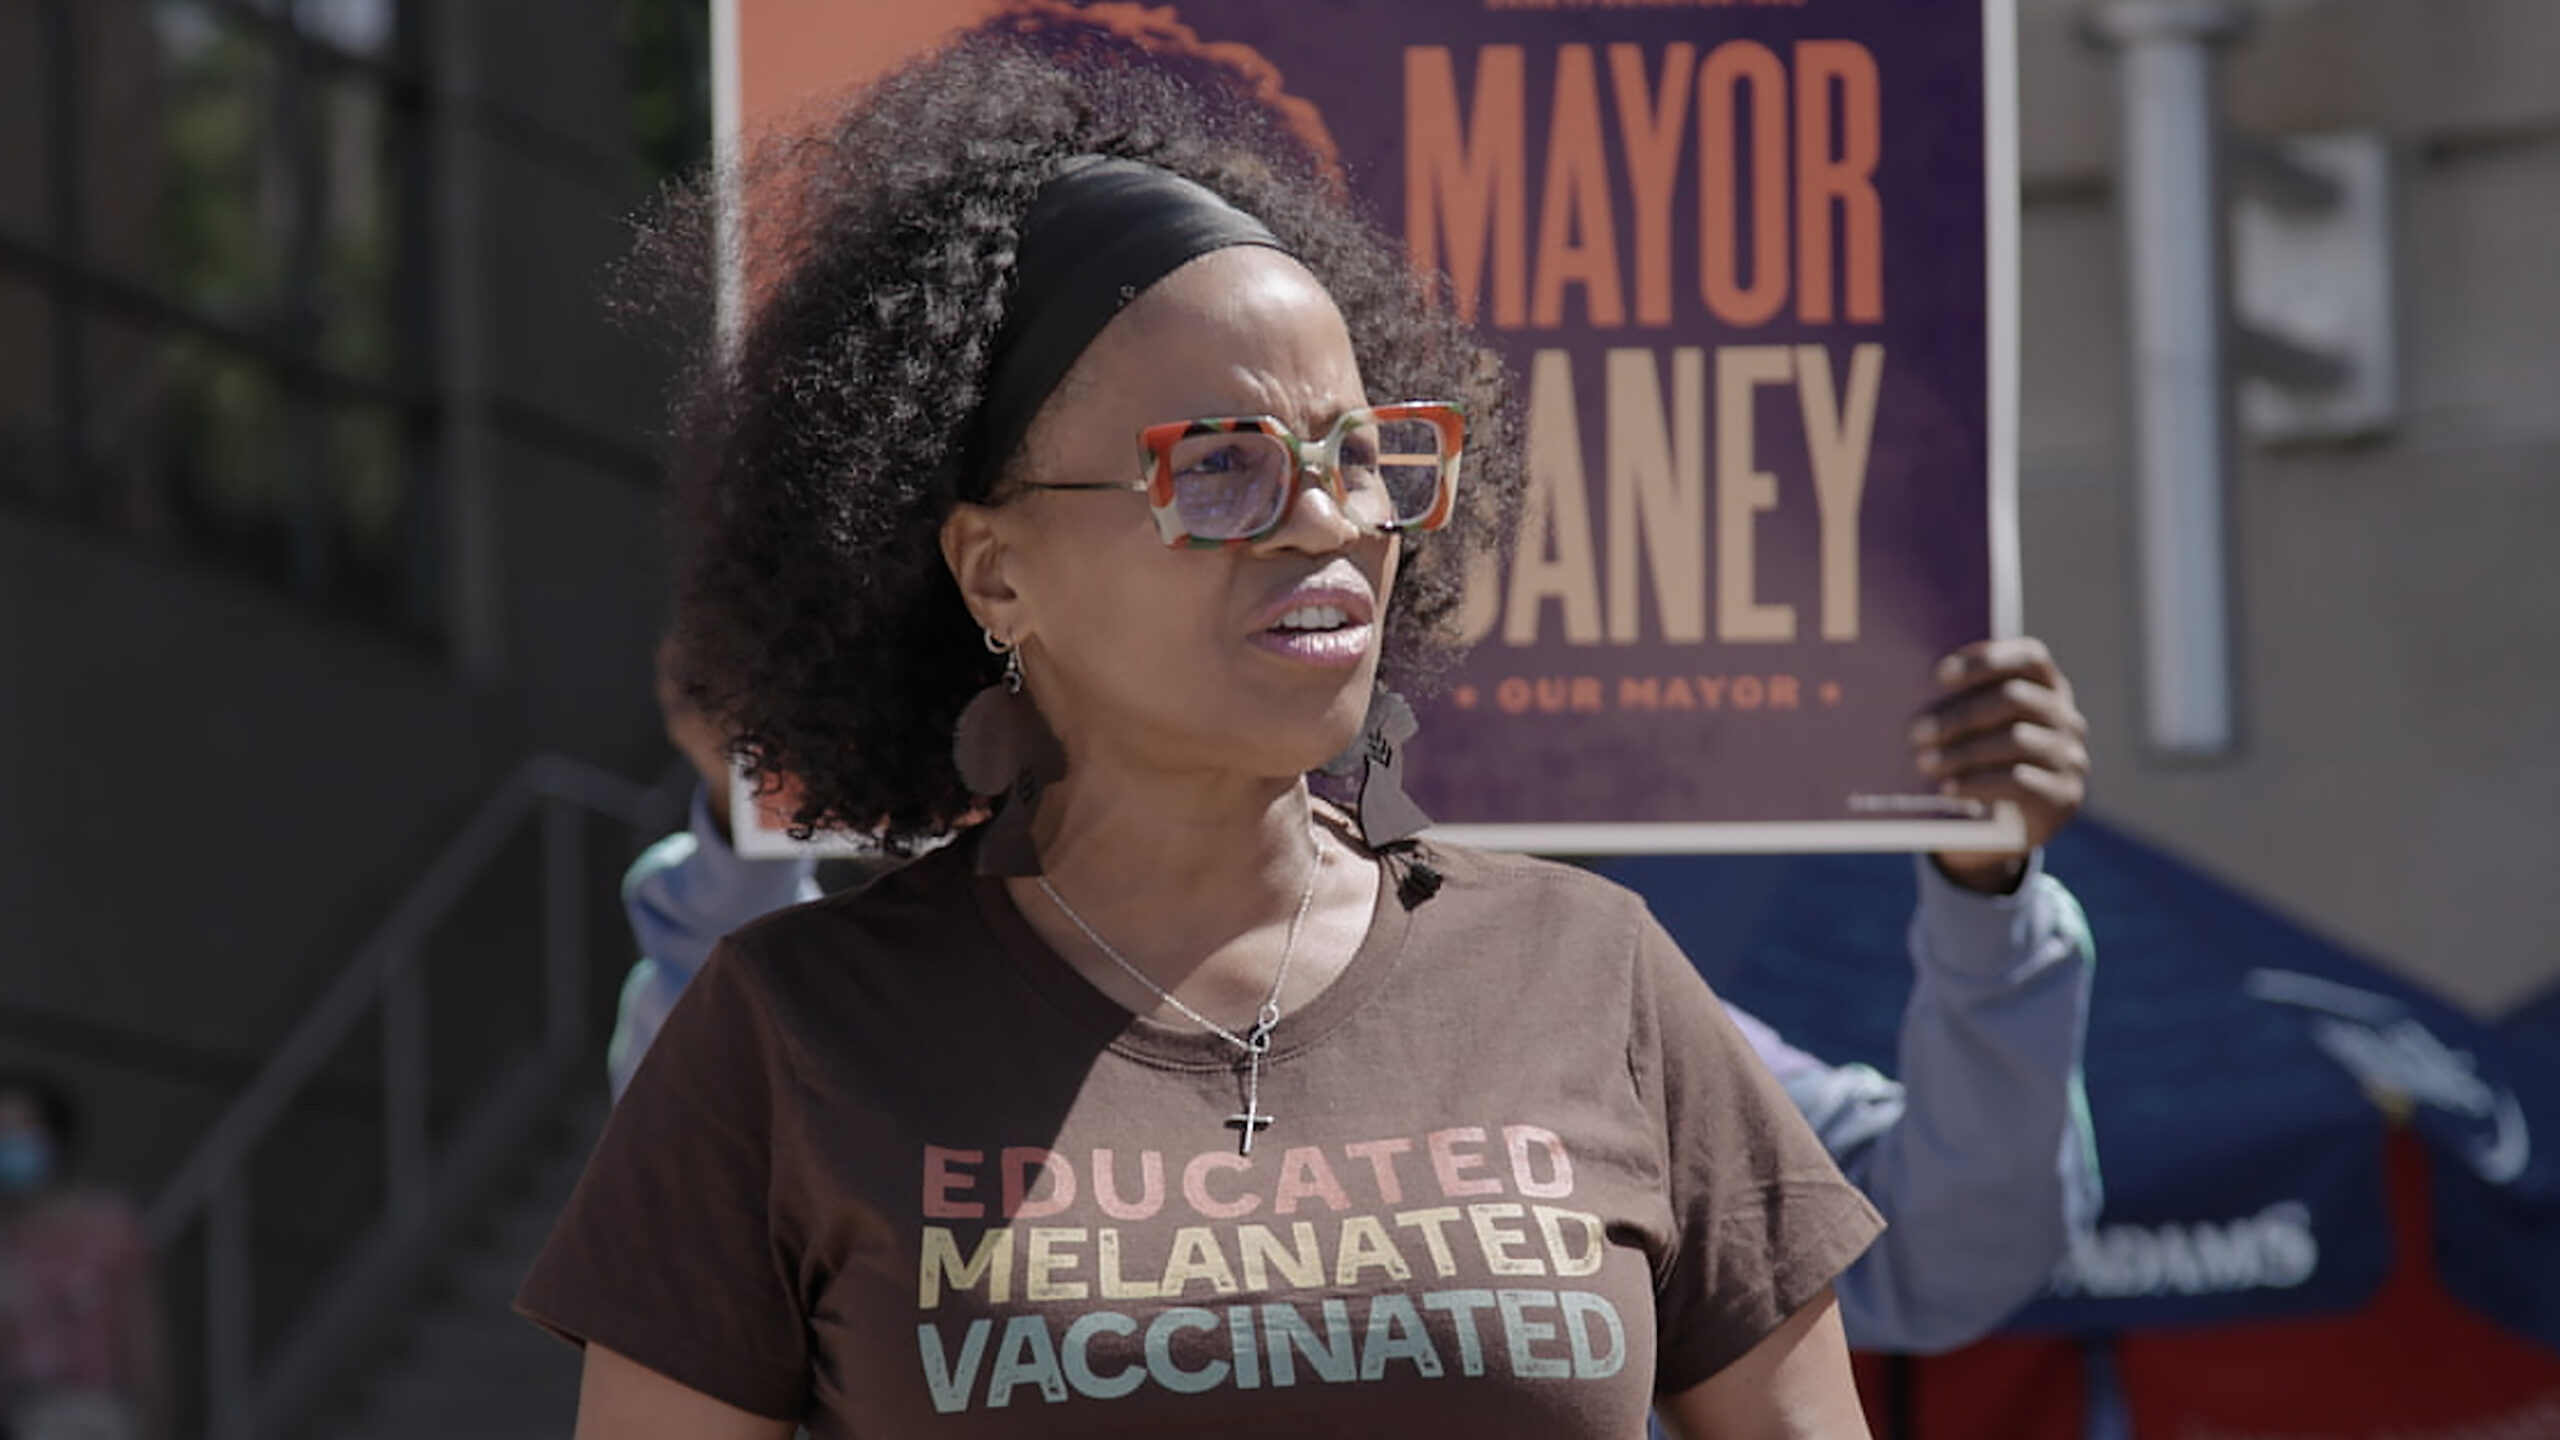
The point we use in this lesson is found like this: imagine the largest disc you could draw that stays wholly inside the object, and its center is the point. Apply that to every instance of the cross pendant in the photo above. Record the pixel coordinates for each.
(1245, 1123)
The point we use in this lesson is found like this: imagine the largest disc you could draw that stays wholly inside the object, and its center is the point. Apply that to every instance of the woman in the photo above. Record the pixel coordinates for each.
(1080, 421)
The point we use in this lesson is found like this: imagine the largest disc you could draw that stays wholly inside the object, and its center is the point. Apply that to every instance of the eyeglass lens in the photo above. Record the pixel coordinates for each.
(1237, 483)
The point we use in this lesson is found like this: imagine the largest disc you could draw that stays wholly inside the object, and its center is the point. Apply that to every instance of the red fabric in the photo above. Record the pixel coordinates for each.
(2415, 1363)
(2009, 1387)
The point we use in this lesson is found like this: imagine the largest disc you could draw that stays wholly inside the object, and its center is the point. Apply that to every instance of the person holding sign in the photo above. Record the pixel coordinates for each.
(1089, 425)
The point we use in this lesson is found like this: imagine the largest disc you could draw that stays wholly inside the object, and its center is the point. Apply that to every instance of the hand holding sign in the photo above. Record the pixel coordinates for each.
(2006, 729)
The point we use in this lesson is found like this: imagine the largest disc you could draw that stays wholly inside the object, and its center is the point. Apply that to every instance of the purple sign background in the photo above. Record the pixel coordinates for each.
(1633, 688)
(1637, 729)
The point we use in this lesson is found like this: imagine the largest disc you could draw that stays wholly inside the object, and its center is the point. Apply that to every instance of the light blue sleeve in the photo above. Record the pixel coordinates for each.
(681, 896)
(1981, 1157)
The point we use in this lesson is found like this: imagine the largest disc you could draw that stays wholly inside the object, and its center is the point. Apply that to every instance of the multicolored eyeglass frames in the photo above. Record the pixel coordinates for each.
(1229, 480)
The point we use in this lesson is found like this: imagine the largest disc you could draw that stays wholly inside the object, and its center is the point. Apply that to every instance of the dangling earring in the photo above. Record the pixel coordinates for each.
(1386, 814)
(1003, 748)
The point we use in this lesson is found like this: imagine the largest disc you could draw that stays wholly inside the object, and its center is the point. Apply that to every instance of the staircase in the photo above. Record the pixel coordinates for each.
(468, 1020)
(469, 1366)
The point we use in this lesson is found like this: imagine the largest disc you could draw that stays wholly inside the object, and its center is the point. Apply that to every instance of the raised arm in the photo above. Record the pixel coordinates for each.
(1980, 1157)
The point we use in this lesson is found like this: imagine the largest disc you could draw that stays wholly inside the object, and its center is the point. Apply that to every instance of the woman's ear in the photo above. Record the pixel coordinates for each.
(975, 547)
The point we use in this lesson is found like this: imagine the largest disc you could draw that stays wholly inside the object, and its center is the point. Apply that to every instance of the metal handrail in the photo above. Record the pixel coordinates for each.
(211, 1185)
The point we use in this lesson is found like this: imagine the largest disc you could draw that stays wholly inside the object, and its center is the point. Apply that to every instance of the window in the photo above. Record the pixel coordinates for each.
(209, 273)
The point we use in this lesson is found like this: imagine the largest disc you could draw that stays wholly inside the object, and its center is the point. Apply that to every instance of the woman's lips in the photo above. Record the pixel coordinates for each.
(1320, 592)
(1343, 646)
(1318, 623)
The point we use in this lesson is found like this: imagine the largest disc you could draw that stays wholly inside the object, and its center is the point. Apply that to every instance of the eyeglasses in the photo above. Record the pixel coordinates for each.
(1230, 480)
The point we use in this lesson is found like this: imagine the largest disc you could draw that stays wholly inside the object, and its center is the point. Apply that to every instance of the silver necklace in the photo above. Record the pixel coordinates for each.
(1255, 1042)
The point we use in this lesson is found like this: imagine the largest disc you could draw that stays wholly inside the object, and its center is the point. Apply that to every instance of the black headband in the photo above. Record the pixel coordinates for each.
(1096, 236)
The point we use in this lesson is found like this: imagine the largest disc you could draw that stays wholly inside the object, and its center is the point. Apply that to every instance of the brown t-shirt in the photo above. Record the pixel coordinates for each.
(894, 1169)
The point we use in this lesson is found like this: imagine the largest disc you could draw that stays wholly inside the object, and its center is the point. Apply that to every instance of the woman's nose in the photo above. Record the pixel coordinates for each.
(1315, 520)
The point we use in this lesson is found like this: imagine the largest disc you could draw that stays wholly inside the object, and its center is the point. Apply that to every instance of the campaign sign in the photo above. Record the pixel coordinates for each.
(1753, 268)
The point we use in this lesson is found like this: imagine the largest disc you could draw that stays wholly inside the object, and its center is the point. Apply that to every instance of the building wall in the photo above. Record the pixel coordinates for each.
(218, 787)
(2399, 640)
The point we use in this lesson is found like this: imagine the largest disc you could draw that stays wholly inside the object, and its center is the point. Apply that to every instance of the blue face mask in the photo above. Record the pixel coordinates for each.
(26, 1163)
